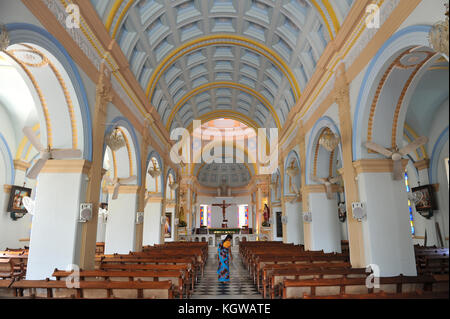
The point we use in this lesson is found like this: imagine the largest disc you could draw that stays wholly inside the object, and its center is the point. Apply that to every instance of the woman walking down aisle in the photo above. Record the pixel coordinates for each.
(224, 257)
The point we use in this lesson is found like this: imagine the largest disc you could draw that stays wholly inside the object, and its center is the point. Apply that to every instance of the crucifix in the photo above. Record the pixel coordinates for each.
(224, 207)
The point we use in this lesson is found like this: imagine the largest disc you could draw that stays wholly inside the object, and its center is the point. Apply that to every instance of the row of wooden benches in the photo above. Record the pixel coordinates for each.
(162, 271)
(290, 272)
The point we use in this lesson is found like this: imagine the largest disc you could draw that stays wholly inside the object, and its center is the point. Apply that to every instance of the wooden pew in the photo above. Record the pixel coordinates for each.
(185, 268)
(175, 276)
(93, 289)
(294, 289)
(383, 295)
(277, 277)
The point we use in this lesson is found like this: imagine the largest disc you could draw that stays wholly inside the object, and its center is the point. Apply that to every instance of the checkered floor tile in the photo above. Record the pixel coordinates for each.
(240, 286)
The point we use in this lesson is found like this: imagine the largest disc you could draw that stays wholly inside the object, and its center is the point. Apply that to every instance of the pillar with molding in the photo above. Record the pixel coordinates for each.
(355, 229)
(56, 232)
(387, 232)
(104, 95)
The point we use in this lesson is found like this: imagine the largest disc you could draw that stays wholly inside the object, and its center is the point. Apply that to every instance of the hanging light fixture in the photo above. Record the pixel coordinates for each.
(4, 38)
(115, 140)
(438, 36)
(329, 140)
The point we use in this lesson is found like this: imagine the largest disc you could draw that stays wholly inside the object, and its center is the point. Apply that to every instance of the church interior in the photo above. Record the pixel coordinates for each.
(135, 135)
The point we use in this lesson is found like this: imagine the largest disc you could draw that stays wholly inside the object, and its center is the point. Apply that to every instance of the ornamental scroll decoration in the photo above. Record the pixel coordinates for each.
(438, 36)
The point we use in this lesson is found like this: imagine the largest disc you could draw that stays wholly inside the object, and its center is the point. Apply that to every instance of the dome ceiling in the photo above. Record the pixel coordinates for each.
(233, 175)
(198, 58)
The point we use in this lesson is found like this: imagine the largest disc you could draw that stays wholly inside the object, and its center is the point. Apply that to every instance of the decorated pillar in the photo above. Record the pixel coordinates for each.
(55, 235)
(355, 229)
(104, 95)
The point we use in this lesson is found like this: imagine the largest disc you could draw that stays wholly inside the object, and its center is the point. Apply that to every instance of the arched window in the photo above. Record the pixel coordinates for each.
(411, 217)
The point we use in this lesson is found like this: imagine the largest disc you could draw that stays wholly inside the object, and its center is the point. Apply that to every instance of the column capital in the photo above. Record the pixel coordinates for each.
(125, 189)
(21, 165)
(423, 164)
(376, 165)
(67, 166)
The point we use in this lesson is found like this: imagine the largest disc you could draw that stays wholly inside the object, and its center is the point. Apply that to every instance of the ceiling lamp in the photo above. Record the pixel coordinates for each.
(292, 171)
(173, 186)
(329, 140)
(438, 36)
(154, 172)
(115, 140)
(4, 38)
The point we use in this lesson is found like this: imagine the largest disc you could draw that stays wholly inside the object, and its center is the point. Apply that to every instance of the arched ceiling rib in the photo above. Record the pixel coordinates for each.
(175, 47)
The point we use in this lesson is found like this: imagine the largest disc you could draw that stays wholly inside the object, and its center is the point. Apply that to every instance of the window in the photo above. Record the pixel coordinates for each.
(411, 217)
(203, 220)
(243, 216)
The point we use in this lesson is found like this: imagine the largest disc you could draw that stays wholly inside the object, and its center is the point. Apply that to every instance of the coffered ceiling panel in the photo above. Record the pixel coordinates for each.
(197, 57)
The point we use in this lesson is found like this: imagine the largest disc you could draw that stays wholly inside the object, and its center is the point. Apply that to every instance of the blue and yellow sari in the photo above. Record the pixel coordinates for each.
(224, 263)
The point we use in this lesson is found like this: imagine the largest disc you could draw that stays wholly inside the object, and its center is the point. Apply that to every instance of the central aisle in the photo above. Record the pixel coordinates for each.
(241, 284)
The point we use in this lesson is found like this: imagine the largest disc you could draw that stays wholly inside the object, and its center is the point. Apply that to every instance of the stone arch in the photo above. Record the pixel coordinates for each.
(68, 76)
(316, 157)
(129, 156)
(154, 183)
(380, 70)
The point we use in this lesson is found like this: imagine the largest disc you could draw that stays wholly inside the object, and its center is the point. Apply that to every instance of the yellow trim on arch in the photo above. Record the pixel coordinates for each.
(332, 14)
(225, 39)
(411, 131)
(119, 20)
(215, 85)
(23, 143)
(112, 14)
(324, 17)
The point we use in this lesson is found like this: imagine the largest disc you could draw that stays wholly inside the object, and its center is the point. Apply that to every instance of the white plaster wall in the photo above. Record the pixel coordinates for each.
(152, 224)
(427, 12)
(386, 230)
(55, 235)
(121, 225)
(325, 225)
(295, 223)
(232, 213)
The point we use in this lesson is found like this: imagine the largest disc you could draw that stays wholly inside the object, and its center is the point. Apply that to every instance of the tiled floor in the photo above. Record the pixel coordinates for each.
(240, 286)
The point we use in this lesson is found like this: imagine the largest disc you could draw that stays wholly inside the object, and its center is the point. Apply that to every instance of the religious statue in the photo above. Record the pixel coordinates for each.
(266, 214)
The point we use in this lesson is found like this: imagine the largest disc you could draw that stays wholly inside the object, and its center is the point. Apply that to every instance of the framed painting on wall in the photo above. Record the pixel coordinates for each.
(424, 198)
(15, 204)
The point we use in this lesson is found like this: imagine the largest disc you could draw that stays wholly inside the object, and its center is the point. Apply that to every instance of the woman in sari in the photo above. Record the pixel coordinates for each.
(224, 256)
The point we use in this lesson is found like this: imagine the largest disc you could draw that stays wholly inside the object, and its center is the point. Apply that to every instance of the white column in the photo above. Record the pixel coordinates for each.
(121, 226)
(387, 232)
(152, 222)
(325, 229)
(55, 235)
(294, 225)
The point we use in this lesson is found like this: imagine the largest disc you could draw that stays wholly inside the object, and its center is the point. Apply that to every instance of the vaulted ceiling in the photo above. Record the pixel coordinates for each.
(198, 59)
